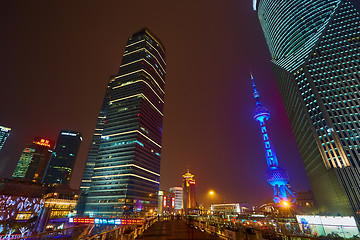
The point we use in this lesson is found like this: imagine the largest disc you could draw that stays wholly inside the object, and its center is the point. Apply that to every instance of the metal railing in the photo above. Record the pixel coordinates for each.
(66, 233)
(123, 232)
(236, 231)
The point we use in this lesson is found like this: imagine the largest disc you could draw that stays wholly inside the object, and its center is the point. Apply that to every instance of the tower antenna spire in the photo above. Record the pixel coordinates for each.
(276, 176)
(256, 93)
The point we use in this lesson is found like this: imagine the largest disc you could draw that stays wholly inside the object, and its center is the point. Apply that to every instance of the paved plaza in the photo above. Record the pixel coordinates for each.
(175, 229)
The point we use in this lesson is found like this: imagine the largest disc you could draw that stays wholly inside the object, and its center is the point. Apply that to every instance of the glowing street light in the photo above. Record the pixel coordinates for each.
(211, 197)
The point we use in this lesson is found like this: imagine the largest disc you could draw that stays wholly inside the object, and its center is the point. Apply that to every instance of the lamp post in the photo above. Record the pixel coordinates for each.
(211, 198)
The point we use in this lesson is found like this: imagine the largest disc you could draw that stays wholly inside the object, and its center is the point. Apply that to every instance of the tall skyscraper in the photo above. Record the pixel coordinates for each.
(315, 49)
(123, 168)
(63, 159)
(34, 160)
(276, 176)
(95, 143)
(24, 162)
(4, 134)
(93, 151)
(189, 200)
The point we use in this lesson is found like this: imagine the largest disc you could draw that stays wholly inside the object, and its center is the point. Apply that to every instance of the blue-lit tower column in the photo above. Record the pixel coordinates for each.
(276, 176)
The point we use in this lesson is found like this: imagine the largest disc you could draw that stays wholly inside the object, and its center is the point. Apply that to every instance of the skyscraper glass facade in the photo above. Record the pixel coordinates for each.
(126, 170)
(95, 143)
(24, 162)
(63, 158)
(34, 160)
(4, 134)
(315, 47)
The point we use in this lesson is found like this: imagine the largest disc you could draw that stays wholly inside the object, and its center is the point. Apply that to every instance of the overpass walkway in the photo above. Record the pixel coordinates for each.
(174, 230)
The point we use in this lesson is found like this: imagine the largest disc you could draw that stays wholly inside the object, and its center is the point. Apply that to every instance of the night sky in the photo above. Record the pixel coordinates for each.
(57, 56)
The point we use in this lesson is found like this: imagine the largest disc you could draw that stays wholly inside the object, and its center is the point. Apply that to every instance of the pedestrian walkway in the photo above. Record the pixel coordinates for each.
(174, 230)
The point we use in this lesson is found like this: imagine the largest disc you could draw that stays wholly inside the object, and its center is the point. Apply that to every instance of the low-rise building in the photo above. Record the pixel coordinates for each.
(230, 208)
(166, 203)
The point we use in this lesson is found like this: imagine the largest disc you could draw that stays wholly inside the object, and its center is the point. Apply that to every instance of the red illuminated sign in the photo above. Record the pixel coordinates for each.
(105, 221)
(83, 220)
(131, 221)
(192, 182)
(173, 202)
(43, 142)
(164, 201)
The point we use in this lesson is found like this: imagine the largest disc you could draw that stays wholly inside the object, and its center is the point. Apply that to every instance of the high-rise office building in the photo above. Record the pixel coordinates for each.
(178, 191)
(34, 160)
(315, 49)
(24, 162)
(4, 134)
(94, 148)
(63, 158)
(122, 173)
(95, 143)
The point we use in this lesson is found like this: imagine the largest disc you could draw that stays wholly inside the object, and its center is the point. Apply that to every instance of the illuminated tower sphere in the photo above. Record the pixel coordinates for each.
(276, 176)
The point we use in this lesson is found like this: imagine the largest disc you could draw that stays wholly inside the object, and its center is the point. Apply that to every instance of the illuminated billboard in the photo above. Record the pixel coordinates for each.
(105, 221)
(19, 208)
(81, 220)
(43, 142)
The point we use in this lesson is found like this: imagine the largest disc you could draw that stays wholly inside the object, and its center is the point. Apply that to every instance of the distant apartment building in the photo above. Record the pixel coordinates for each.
(178, 191)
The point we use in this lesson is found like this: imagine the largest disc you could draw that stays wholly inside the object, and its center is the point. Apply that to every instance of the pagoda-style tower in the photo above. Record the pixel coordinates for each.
(189, 202)
(276, 176)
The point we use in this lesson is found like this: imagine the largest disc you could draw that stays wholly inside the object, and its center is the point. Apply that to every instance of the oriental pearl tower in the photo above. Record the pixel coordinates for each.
(276, 176)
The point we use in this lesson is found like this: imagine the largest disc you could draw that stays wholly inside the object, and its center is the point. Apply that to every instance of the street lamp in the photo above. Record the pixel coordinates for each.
(211, 197)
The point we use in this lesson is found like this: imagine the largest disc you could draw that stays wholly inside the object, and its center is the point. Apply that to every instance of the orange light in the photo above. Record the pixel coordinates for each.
(83, 220)
(43, 142)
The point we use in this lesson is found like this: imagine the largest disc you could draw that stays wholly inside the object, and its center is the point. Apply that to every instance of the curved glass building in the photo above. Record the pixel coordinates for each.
(293, 27)
(315, 49)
